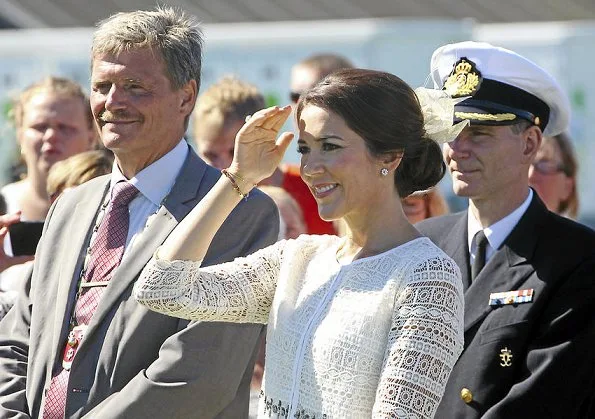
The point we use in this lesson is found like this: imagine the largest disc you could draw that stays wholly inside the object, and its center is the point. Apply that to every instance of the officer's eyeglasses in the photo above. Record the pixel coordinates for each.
(548, 167)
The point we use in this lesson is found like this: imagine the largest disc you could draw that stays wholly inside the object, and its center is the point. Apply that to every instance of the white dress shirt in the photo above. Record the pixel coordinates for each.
(495, 233)
(154, 183)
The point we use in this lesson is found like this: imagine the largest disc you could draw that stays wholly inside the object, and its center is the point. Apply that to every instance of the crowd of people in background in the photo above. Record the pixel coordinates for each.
(379, 303)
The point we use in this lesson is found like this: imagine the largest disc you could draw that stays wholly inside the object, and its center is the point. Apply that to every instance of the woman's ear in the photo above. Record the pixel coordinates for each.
(392, 160)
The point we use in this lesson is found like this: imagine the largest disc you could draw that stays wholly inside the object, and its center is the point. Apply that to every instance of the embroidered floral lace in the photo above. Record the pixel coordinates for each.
(375, 338)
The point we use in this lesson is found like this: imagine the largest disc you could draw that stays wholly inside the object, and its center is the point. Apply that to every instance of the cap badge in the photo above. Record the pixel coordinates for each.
(463, 80)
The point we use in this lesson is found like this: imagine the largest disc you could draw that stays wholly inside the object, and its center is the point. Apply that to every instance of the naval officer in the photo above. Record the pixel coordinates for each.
(529, 274)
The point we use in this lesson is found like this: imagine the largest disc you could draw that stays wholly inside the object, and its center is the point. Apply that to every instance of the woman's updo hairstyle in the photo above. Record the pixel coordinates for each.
(385, 112)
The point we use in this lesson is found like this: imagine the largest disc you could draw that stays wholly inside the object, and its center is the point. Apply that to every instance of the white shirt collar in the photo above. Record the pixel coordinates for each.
(156, 180)
(499, 231)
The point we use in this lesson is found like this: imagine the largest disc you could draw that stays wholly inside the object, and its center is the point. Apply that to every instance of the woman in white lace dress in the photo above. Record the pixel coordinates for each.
(369, 325)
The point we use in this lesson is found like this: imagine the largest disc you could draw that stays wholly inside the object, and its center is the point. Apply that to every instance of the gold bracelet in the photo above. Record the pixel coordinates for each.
(235, 175)
(234, 184)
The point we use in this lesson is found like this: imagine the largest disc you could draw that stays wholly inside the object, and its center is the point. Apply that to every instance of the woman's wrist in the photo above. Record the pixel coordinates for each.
(242, 177)
(241, 185)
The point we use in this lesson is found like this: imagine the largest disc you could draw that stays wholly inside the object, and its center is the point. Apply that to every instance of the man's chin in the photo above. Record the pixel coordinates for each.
(462, 189)
(112, 140)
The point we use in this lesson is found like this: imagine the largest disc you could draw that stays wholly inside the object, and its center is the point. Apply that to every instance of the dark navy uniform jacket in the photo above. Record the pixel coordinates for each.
(524, 359)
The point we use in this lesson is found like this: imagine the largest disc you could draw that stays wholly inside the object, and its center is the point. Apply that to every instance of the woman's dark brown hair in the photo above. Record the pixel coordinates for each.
(385, 112)
(570, 168)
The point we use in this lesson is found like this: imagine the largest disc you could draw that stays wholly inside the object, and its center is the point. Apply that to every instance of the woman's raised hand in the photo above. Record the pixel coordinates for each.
(258, 151)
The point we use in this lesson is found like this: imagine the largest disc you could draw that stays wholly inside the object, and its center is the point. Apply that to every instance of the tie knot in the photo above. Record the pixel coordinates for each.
(123, 193)
(481, 240)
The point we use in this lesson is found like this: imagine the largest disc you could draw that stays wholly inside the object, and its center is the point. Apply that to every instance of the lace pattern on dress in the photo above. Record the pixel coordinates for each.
(376, 338)
(240, 291)
(424, 341)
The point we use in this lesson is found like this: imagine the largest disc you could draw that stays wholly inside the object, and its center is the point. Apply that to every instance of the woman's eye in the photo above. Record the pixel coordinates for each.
(302, 149)
(329, 146)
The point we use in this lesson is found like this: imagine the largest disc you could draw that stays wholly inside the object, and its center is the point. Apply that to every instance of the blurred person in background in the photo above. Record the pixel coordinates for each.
(78, 169)
(553, 175)
(76, 344)
(311, 70)
(63, 175)
(220, 112)
(423, 205)
(53, 121)
(218, 116)
(291, 217)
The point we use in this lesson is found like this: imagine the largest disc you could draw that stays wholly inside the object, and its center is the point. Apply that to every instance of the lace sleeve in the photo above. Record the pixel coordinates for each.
(424, 342)
(240, 291)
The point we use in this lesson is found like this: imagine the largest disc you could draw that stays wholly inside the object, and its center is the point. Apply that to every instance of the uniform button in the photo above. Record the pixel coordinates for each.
(466, 395)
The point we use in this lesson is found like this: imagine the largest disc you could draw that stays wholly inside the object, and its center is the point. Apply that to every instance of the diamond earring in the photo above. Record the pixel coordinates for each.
(384, 171)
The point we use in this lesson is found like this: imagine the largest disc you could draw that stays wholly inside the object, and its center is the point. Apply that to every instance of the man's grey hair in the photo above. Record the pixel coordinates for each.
(169, 32)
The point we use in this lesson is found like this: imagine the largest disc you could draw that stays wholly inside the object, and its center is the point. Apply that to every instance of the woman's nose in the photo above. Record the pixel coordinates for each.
(311, 167)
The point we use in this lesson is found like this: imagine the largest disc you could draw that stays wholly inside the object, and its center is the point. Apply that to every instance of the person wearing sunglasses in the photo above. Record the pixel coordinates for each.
(311, 70)
(553, 175)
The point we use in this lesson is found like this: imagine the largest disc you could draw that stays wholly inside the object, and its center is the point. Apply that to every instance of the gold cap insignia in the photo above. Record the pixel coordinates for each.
(463, 80)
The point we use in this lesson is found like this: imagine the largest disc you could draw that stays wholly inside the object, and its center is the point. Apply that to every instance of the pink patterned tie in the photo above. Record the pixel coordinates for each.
(105, 255)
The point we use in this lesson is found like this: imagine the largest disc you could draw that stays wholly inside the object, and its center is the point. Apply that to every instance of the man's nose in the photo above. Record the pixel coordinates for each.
(458, 148)
(115, 99)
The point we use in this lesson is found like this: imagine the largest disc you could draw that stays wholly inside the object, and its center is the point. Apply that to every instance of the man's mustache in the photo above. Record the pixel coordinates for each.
(122, 116)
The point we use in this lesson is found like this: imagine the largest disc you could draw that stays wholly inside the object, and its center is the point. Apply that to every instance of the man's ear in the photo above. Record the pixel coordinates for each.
(532, 141)
(392, 160)
(188, 94)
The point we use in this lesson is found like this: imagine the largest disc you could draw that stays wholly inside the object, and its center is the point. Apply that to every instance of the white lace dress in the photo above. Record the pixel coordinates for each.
(375, 338)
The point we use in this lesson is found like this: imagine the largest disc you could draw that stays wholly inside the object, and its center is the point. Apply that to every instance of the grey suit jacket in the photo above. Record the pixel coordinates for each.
(133, 363)
(531, 359)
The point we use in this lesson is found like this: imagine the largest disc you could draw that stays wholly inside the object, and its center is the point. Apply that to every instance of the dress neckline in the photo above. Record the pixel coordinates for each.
(373, 257)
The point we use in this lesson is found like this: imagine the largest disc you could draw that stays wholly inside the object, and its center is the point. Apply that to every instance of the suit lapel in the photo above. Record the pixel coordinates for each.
(508, 268)
(455, 245)
(187, 190)
(82, 218)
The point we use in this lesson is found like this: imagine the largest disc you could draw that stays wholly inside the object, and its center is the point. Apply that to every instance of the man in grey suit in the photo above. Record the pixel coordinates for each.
(527, 272)
(128, 362)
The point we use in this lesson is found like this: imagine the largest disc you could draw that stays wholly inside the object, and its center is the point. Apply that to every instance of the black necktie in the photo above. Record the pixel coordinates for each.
(481, 243)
